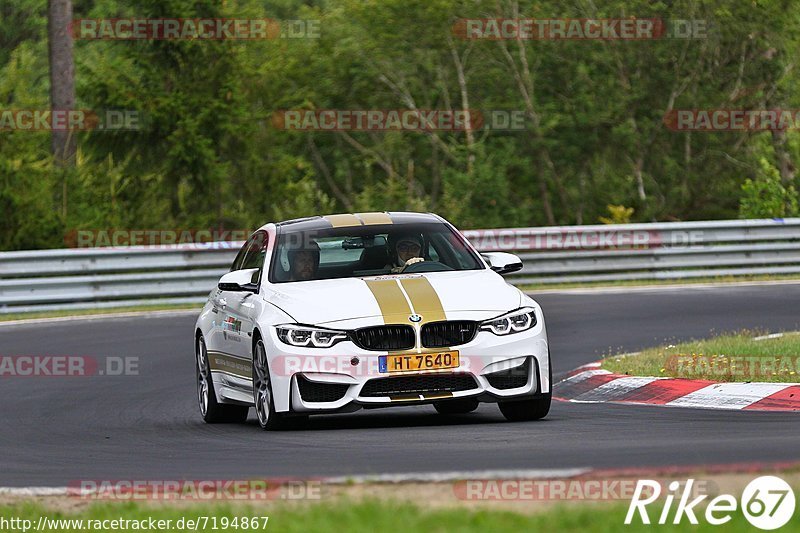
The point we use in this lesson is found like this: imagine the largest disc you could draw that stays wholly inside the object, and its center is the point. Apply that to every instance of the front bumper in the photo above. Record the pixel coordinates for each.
(492, 369)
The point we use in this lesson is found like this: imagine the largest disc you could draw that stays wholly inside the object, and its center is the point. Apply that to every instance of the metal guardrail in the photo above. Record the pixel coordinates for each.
(116, 277)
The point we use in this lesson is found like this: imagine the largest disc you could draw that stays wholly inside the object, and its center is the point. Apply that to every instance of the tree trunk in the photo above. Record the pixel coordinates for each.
(62, 76)
(638, 167)
(785, 163)
(462, 85)
(545, 196)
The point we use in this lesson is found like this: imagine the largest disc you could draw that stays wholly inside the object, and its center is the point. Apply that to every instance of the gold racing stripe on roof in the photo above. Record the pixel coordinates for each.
(374, 218)
(343, 221)
(391, 300)
(424, 299)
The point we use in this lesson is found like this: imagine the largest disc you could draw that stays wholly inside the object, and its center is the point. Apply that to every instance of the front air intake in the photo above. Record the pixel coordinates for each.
(311, 391)
(510, 379)
(418, 384)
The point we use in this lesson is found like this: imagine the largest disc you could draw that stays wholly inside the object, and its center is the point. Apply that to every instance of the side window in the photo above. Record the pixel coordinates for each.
(255, 253)
(252, 254)
(237, 263)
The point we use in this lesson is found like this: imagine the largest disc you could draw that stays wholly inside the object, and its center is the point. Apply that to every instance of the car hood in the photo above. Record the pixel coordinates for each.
(392, 299)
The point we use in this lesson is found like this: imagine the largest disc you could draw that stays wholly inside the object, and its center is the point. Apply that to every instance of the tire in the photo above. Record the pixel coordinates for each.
(524, 410)
(459, 406)
(211, 410)
(532, 408)
(268, 419)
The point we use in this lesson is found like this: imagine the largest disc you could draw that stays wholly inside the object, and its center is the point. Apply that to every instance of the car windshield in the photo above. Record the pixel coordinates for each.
(370, 250)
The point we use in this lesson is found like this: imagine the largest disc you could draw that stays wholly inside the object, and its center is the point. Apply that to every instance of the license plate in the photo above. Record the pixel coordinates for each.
(417, 361)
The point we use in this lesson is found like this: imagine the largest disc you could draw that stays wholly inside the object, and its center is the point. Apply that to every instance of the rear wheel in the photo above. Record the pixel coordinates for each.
(211, 410)
(459, 406)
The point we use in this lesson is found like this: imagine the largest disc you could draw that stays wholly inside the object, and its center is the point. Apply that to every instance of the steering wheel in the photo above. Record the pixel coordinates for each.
(425, 266)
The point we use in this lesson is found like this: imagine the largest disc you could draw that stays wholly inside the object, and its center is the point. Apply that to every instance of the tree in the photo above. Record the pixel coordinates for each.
(62, 76)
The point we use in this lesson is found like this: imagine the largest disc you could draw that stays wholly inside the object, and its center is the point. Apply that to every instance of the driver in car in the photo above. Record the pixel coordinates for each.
(304, 262)
(405, 250)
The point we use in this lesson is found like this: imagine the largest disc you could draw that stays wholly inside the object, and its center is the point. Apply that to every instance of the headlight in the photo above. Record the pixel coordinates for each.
(512, 322)
(295, 335)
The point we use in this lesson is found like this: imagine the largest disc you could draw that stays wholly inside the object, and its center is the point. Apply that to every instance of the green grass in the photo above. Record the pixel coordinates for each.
(731, 357)
(371, 516)
(100, 311)
(657, 283)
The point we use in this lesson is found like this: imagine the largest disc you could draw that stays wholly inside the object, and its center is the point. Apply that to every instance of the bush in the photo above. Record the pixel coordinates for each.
(766, 196)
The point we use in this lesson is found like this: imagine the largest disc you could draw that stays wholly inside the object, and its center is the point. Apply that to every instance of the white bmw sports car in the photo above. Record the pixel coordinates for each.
(336, 313)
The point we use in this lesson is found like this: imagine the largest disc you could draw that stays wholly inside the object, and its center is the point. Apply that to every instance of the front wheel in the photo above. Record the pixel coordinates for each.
(211, 410)
(532, 408)
(263, 399)
(523, 410)
(262, 389)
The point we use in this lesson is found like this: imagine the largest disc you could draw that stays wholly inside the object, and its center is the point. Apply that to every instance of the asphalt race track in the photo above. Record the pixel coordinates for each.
(56, 430)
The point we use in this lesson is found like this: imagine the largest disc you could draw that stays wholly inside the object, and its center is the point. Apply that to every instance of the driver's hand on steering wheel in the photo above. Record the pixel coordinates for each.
(410, 262)
(400, 269)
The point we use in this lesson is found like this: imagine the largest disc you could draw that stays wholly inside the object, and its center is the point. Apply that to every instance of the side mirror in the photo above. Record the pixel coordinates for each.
(502, 262)
(240, 280)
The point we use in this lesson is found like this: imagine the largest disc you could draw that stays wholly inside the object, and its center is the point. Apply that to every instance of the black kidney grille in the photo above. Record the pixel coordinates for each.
(448, 333)
(389, 337)
(321, 392)
(418, 384)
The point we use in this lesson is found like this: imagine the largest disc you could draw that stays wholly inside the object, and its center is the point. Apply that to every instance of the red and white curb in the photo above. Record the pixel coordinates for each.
(591, 384)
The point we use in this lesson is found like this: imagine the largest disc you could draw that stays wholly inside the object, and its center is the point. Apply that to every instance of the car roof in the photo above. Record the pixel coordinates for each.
(341, 220)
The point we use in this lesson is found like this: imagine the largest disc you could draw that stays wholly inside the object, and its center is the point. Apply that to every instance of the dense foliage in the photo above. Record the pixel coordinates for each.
(595, 143)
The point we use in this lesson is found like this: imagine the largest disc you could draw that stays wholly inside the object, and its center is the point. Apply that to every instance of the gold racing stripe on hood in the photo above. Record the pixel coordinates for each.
(343, 221)
(394, 301)
(424, 299)
(374, 218)
(391, 300)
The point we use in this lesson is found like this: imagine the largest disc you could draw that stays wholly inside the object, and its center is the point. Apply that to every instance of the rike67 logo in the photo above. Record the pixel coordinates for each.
(767, 502)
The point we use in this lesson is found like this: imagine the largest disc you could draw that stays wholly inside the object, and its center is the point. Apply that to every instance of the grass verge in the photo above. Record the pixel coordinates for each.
(369, 516)
(742, 356)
